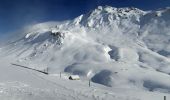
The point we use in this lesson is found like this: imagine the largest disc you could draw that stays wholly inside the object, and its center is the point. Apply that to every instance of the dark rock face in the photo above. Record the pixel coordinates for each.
(58, 36)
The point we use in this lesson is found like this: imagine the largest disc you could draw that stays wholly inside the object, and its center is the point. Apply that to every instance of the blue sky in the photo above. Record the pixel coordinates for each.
(14, 14)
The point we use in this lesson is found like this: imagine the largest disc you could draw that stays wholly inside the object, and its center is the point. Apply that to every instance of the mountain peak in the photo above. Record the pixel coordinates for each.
(107, 15)
(110, 9)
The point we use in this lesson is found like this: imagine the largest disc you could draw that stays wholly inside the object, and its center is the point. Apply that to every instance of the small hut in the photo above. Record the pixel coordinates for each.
(74, 77)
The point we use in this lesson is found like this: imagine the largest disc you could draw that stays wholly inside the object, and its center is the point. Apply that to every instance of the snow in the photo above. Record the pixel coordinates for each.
(123, 51)
(27, 36)
(74, 77)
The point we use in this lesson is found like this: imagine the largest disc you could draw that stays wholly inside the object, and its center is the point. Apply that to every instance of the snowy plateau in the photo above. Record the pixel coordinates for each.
(124, 52)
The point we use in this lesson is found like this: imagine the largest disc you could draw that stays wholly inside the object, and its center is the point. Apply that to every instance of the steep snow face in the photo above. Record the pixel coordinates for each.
(116, 47)
(155, 31)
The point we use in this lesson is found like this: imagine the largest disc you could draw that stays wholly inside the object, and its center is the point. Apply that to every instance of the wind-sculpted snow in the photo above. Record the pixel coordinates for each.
(105, 77)
(124, 48)
(155, 31)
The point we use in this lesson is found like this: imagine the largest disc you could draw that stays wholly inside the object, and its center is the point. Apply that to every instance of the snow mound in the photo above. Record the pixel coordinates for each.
(105, 77)
(156, 86)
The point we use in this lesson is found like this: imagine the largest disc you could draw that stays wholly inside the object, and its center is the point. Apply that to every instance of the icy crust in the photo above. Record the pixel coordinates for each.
(115, 47)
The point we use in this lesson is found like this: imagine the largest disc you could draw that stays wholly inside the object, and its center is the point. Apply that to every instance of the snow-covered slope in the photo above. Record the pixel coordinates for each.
(122, 48)
(156, 31)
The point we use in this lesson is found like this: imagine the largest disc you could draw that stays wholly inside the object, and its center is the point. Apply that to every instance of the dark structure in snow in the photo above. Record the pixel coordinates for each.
(30, 68)
(74, 77)
(58, 36)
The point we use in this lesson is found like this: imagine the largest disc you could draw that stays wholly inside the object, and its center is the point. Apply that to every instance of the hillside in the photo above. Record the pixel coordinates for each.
(118, 49)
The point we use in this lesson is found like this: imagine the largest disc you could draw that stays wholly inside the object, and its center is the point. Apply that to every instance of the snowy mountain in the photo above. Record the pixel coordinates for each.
(120, 48)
